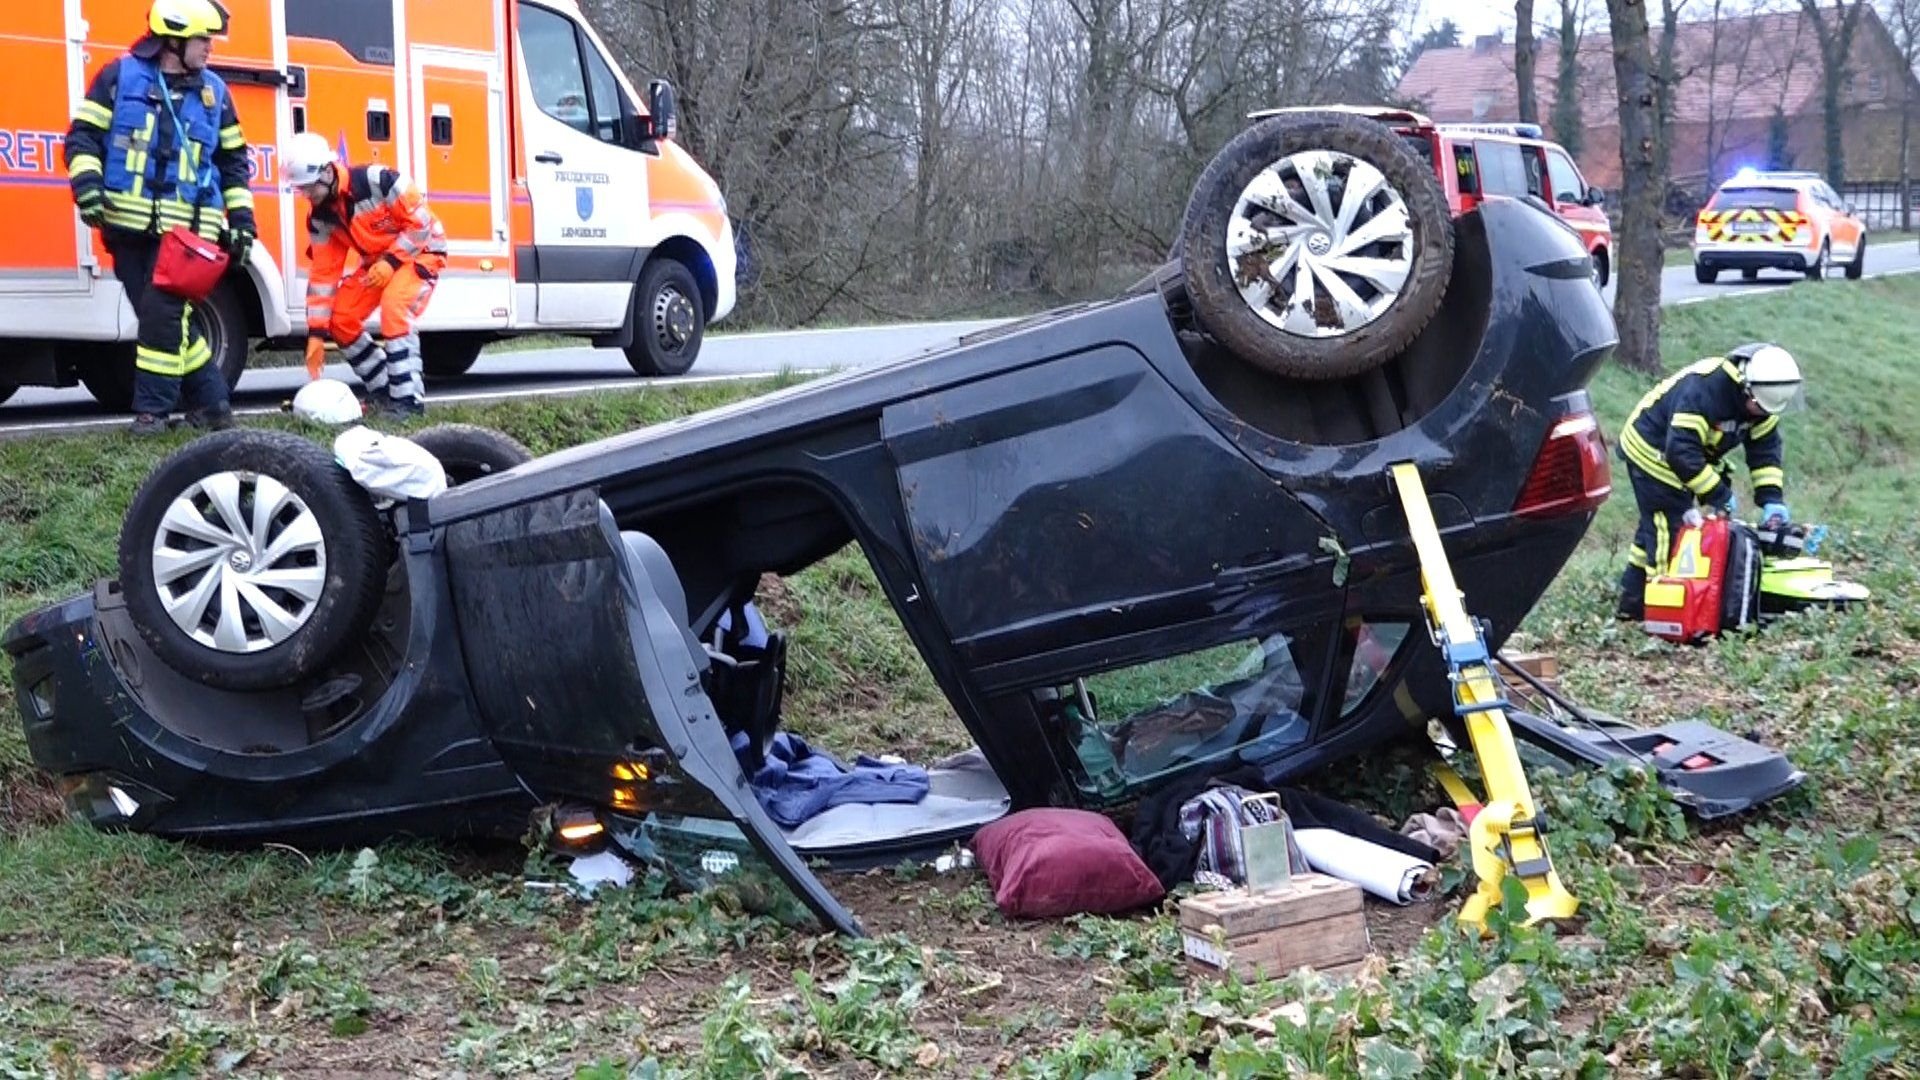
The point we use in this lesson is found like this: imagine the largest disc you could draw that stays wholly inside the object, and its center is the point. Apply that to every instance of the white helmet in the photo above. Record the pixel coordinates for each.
(305, 159)
(326, 401)
(1772, 376)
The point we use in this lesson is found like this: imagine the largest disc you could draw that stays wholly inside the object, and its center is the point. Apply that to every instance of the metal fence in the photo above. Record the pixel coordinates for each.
(1878, 202)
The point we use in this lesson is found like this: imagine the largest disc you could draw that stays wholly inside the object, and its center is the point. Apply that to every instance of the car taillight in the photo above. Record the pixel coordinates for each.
(1570, 473)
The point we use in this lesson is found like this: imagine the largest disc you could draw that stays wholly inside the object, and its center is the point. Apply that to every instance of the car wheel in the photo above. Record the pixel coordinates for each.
(1316, 246)
(1749, 275)
(1818, 271)
(107, 369)
(1854, 269)
(1705, 275)
(7, 390)
(1601, 268)
(250, 559)
(669, 320)
(468, 452)
(447, 356)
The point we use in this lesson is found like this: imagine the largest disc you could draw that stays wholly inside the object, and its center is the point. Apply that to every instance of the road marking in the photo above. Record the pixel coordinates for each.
(7, 430)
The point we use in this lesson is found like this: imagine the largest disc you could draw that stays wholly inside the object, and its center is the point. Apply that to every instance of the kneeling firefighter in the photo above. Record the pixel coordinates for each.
(1674, 443)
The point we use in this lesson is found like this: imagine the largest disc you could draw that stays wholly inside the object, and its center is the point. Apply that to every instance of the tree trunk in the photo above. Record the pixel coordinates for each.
(1523, 60)
(1713, 75)
(1636, 307)
(1566, 96)
(1906, 163)
(1666, 87)
(1836, 41)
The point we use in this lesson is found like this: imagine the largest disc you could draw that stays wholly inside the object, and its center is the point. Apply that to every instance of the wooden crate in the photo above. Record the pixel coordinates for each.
(1319, 922)
(1541, 666)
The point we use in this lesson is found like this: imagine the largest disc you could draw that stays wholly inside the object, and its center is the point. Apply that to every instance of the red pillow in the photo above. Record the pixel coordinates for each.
(1048, 862)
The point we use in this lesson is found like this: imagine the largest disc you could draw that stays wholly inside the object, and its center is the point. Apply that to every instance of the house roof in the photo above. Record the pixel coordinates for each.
(1743, 67)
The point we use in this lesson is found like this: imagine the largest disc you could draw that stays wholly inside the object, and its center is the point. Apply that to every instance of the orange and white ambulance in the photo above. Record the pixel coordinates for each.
(569, 207)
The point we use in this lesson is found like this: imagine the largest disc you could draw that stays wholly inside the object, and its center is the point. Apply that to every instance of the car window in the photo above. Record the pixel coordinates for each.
(608, 124)
(1756, 199)
(1374, 647)
(1536, 171)
(553, 67)
(1468, 168)
(1566, 179)
(1502, 170)
(1145, 722)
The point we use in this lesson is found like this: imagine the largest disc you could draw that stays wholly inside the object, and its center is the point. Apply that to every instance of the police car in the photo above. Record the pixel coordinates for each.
(1777, 220)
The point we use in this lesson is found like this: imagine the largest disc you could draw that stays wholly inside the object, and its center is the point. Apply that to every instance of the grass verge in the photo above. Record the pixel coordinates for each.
(1785, 943)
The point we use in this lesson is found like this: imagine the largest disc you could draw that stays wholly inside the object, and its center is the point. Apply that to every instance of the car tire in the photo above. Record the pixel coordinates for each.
(325, 581)
(1705, 275)
(1855, 268)
(669, 320)
(449, 356)
(468, 452)
(1818, 271)
(1602, 268)
(1749, 275)
(1308, 336)
(107, 369)
(7, 390)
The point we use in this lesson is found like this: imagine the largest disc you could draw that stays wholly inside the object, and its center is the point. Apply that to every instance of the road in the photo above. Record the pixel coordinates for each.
(517, 373)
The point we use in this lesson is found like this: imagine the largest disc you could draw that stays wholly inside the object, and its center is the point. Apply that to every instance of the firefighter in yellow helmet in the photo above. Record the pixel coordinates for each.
(156, 143)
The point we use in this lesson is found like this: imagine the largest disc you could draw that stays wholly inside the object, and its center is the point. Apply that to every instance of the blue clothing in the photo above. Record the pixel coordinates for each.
(797, 782)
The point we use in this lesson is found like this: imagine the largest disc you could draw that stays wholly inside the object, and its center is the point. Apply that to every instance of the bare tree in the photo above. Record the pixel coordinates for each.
(1835, 34)
(1523, 60)
(1905, 25)
(1636, 305)
(1566, 83)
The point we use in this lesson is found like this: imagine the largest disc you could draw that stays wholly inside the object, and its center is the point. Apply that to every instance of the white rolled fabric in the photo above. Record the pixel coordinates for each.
(1379, 870)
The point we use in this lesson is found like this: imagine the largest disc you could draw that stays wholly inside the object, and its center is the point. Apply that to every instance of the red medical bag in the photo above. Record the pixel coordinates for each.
(1711, 584)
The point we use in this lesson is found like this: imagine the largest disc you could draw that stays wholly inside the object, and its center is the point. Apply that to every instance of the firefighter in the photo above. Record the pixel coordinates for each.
(154, 144)
(1674, 443)
(381, 216)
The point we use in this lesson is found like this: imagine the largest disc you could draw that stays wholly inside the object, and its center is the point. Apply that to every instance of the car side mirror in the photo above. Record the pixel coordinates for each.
(1594, 197)
(666, 112)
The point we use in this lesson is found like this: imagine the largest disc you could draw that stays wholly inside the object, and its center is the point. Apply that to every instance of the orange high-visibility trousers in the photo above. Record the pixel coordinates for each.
(390, 360)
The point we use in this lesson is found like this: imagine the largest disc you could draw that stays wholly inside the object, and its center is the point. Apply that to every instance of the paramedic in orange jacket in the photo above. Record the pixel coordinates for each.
(379, 214)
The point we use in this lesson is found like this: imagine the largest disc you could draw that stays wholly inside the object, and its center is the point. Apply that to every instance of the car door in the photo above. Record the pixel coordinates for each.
(1845, 229)
(584, 172)
(588, 680)
(1570, 198)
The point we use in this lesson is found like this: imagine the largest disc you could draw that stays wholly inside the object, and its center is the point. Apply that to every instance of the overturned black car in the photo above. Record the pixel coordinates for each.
(1130, 539)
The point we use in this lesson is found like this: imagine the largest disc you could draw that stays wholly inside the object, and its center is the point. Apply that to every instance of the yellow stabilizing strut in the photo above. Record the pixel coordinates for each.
(1506, 834)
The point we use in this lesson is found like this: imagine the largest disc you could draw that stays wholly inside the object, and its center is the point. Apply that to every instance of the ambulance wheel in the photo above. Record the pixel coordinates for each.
(1854, 269)
(1316, 246)
(250, 559)
(7, 390)
(1749, 275)
(106, 369)
(448, 356)
(1818, 271)
(469, 452)
(669, 319)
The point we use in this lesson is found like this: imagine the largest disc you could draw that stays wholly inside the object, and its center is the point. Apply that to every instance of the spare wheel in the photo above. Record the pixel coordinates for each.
(1316, 245)
(251, 559)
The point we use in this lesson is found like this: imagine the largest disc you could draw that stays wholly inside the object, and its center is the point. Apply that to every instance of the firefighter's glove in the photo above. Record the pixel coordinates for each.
(239, 242)
(93, 207)
(316, 355)
(381, 272)
(1776, 514)
(1693, 517)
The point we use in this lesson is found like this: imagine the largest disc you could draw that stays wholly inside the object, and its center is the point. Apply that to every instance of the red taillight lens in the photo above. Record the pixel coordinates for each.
(1570, 474)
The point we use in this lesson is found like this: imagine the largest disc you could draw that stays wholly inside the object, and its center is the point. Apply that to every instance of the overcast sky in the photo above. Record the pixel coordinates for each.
(1471, 16)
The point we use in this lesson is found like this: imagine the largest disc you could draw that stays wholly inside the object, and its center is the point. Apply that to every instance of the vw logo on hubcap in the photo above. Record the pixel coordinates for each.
(240, 561)
(1319, 243)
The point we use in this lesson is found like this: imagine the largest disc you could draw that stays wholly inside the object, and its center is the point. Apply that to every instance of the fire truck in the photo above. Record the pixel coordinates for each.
(569, 206)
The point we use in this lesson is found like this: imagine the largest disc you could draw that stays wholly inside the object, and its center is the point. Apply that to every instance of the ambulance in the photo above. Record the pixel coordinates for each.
(569, 206)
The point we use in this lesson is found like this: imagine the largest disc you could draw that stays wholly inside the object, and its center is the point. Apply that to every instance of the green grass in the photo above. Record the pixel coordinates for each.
(1784, 943)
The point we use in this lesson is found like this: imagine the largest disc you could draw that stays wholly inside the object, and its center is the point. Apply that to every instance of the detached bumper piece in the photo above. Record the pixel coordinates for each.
(1710, 772)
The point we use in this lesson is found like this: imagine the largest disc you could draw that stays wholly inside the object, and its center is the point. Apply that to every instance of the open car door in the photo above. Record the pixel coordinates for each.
(590, 681)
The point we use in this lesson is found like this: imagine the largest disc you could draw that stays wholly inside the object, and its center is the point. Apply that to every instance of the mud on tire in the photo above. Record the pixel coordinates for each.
(250, 559)
(1316, 245)
(469, 452)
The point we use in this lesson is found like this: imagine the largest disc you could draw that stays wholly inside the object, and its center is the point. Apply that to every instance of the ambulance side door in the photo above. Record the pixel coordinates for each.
(587, 181)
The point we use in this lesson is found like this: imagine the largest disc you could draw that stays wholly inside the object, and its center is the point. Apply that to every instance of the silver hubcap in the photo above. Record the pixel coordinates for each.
(240, 562)
(1320, 244)
(672, 318)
